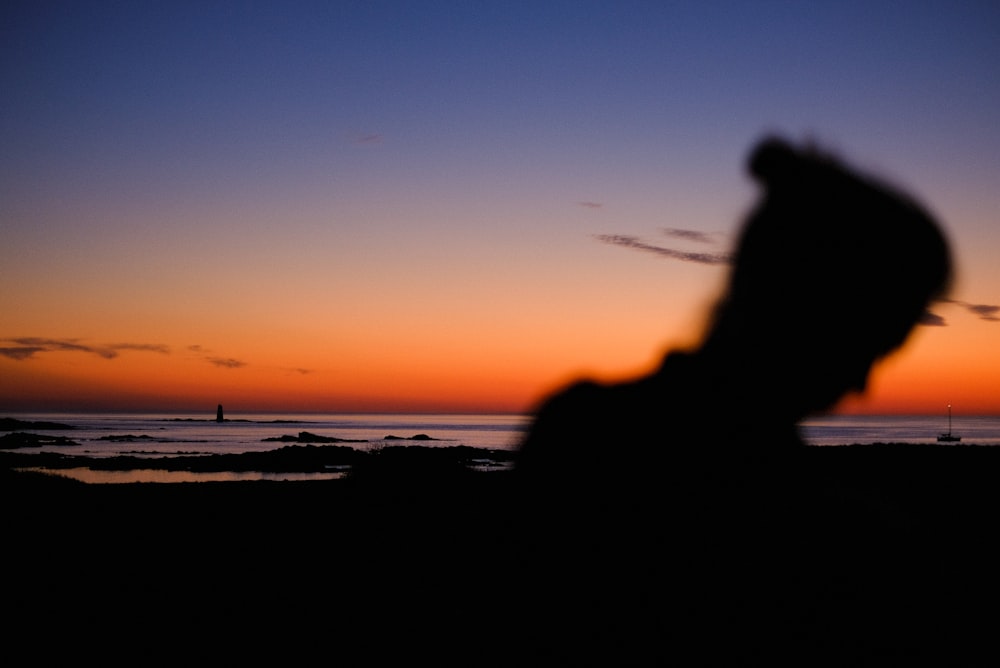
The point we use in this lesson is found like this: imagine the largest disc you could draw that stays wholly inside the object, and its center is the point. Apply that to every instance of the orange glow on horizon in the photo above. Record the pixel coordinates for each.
(446, 351)
(423, 378)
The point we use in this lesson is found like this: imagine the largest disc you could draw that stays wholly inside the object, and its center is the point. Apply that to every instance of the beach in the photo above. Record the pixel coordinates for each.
(893, 562)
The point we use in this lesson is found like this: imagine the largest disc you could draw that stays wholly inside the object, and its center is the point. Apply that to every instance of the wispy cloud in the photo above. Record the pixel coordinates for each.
(226, 362)
(988, 312)
(689, 235)
(142, 347)
(26, 347)
(214, 359)
(373, 138)
(633, 242)
(591, 205)
(929, 319)
(20, 352)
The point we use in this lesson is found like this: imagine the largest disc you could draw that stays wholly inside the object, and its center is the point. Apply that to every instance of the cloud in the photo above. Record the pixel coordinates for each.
(983, 311)
(591, 205)
(21, 352)
(988, 312)
(27, 347)
(689, 235)
(226, 362)
(374, 138)
(63, 345)
(207, 355)
(629, 241)
(142, 347)
(929, 319)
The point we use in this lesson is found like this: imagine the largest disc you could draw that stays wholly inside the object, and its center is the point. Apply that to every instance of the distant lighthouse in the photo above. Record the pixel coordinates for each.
(218, 414)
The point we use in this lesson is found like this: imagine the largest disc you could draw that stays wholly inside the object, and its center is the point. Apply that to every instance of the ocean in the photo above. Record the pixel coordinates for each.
(164, 435)
(157, 435)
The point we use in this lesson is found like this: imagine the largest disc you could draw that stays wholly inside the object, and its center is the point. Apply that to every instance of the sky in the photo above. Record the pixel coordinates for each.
(452, 206)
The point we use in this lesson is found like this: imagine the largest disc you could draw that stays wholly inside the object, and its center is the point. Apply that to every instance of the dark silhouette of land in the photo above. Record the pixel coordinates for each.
(425, 561)
(12, 424)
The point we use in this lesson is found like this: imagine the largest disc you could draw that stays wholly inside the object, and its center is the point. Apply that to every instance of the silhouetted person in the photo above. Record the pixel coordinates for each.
(676, 512)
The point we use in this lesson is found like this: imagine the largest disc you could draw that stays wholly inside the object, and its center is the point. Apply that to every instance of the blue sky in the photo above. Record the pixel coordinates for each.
(450, 161)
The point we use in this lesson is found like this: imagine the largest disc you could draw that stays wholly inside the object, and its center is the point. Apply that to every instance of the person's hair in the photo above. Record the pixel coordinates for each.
(829, 247)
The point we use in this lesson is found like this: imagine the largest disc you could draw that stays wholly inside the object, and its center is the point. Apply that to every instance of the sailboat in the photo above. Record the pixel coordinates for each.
(949, 437)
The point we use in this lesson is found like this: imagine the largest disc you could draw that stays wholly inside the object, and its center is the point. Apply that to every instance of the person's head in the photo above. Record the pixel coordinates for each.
(831, 271)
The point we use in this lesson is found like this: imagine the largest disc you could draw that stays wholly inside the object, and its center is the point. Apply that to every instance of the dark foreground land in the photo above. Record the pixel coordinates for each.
(893, 562)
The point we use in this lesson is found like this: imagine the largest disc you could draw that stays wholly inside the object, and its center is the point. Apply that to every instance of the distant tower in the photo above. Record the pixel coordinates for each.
(218, 414)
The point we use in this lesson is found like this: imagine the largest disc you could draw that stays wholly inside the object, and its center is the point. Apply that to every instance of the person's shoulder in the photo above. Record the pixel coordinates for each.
(571, 417)
(591, 411)
(584, 401)
(576, 392)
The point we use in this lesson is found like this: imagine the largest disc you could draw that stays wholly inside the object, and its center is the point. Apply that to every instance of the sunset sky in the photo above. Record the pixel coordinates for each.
(447, 206)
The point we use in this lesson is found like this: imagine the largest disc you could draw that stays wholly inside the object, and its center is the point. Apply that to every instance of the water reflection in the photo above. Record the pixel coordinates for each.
(84, 474)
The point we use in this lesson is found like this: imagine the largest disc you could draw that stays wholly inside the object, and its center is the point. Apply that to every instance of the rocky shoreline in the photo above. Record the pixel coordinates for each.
(418, 556)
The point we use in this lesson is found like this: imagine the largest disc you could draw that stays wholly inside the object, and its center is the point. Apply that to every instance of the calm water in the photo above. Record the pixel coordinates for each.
(182, 434)
(867, 429)
(171, 435)
(161, 435)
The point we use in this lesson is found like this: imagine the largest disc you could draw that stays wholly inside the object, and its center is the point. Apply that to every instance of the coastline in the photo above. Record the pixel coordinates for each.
(432, 561)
